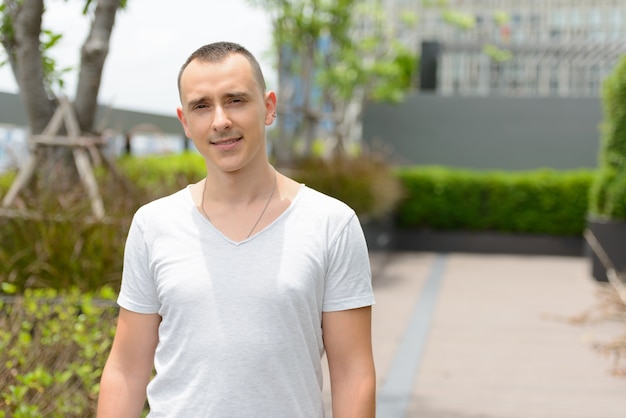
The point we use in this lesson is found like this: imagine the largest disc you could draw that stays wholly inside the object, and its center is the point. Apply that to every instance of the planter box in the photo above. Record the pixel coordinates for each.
(611, 235)
(383, 235)
(379, 233)
(486, 242)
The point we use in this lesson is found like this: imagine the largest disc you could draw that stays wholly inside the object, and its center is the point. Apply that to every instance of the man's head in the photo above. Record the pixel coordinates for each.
(224, 107)
(217, 52)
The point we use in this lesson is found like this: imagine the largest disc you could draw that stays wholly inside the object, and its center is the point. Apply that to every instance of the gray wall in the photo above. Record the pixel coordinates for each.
(508, 133)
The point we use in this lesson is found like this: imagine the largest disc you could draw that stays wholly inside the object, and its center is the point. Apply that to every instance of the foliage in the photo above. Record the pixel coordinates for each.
(68, 251)
(366, 183)
(6, 179)
(608, 192)
(60, 246)
(332, 56)
(459, 19)
(52, 74)
(60, 253)
(160, 173)
(496, 53)
(53, 345)
(540, 201)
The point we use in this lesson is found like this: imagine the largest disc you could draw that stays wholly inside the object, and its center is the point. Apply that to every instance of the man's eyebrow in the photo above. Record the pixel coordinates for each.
(194, 102)
(229, 95)
(232, 94)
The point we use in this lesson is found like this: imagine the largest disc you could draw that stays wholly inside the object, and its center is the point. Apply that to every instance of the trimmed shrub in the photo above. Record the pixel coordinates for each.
(163, 174)
(366, 183)
(72, 252)
(541, 201)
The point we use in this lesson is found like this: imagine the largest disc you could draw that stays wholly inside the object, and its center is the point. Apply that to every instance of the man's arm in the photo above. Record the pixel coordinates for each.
(348, 344)
(129, 366)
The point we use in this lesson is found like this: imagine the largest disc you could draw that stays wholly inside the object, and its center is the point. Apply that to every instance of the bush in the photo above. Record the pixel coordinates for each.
(53, 346)
(163, 174)
(366, 183)
(73, 252)
(58, 254)
(61, 247)
(541, 201)
(608, 192)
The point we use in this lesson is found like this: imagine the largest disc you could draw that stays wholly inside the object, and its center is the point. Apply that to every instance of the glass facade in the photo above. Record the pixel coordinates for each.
(554, 47)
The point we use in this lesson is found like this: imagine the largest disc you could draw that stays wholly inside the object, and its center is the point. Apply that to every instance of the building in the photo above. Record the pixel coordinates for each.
(532, 102)
(561, 48)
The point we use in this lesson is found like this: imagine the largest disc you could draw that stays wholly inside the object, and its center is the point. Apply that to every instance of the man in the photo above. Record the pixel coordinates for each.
(234, 287)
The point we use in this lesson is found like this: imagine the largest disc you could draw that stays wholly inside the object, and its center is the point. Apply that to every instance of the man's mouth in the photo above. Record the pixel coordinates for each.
(225, 141)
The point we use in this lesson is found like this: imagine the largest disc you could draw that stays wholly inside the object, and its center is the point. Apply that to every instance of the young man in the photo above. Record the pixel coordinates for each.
(234, 287)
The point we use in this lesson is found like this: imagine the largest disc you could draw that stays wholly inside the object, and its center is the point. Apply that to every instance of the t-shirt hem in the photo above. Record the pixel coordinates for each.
(347, 304)
(134, 307)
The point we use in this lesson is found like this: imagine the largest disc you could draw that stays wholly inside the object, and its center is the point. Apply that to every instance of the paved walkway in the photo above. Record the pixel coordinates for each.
(486, 336)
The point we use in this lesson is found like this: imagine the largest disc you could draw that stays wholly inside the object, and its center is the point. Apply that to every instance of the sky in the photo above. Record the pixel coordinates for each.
(150, 41)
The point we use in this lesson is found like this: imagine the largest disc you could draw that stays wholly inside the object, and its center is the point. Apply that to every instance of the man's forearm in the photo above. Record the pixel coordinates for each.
(354, 398)
(120, 397)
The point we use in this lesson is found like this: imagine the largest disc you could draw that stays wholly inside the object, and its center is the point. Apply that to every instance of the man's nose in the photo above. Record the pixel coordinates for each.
(220, 119)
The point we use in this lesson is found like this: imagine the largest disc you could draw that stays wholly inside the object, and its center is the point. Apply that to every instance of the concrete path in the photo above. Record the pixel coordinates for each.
(487, 336)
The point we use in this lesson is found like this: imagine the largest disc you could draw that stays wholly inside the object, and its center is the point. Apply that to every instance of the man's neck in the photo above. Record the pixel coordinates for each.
(240, 187)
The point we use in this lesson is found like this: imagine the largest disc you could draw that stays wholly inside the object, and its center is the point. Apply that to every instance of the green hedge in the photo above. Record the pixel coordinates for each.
(72, 252)
(540, 201)
(163, 173)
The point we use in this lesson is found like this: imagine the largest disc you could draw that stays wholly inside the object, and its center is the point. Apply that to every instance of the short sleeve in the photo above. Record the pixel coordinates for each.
(138, 289)
(348, 283)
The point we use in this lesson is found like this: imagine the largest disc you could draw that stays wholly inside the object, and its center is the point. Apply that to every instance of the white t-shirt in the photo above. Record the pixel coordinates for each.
(241, 328)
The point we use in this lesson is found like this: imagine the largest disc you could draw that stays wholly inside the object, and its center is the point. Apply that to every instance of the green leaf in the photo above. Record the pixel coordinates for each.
(8, 288)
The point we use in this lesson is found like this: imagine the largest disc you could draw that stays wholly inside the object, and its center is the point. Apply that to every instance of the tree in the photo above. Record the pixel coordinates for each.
(335, 56)
(26, 45)
(332, 57)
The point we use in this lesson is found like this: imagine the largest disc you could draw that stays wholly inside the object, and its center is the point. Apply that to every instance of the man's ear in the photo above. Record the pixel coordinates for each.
(270, 107)
(183, 121)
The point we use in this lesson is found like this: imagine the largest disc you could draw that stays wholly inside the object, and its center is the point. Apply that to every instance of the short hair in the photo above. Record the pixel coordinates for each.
(217, 52)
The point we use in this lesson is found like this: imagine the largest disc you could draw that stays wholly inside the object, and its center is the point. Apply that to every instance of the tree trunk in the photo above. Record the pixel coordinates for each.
(309, 120)
(36, 98)
(348, 123)
(28, 61)
(93, 55)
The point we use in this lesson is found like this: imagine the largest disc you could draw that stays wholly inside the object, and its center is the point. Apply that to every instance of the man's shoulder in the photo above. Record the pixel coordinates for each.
(324, 204)
(162, 206)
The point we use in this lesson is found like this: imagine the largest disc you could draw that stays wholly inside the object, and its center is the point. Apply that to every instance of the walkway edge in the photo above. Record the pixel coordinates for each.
(394, 397)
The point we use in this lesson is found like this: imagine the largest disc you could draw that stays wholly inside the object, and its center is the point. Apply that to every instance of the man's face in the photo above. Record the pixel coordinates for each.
(224, 112)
